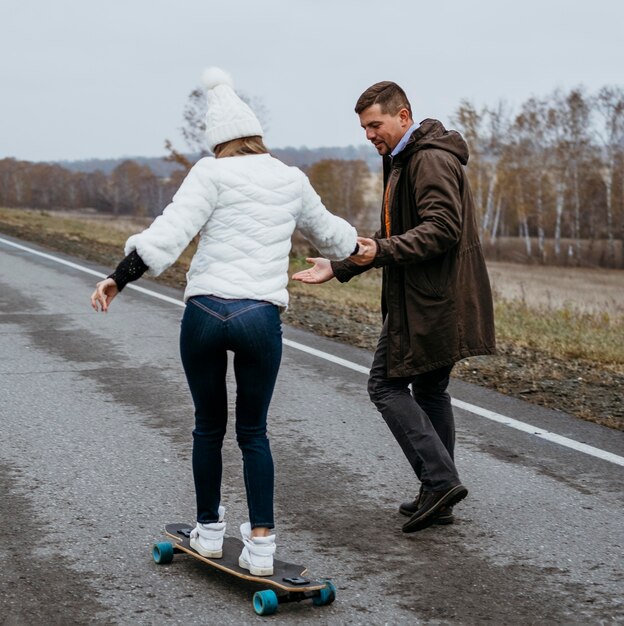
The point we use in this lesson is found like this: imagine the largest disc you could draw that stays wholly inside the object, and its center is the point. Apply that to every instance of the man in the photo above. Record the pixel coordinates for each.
(436, 297)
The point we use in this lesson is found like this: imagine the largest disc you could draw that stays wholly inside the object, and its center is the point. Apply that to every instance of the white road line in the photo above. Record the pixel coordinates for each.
(465, 406)
(540, 432)
(327, 356)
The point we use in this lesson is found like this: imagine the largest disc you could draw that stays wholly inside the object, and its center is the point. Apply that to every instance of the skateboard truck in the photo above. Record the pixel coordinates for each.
(296, 580)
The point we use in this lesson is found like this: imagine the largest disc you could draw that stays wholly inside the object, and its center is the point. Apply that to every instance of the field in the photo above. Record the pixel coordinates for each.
(560, 331)
(595, 291)
(591, 253)
(560, 334)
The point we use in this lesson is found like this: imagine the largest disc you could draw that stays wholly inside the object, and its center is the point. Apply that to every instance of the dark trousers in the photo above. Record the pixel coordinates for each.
(421, 421)
(252, 330)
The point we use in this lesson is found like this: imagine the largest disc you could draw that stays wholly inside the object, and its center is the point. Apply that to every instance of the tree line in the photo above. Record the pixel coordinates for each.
(134, 189)
(130, 189)
(551, 174)
(548, 179)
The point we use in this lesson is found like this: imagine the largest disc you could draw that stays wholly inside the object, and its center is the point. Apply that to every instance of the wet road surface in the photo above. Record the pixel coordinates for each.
(95, 459)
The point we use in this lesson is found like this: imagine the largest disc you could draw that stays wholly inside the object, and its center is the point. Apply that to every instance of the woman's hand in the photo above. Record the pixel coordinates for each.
(321, 272)
(103, 295)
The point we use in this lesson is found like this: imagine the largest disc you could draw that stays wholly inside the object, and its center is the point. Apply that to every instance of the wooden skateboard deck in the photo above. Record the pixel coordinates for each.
(288, 579)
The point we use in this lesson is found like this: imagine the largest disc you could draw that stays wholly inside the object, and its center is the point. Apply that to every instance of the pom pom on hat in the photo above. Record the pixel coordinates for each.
(227, 117)
(215, 76)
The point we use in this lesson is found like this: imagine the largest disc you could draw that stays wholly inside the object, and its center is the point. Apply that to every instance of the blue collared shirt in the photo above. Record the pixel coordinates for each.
(404, 140)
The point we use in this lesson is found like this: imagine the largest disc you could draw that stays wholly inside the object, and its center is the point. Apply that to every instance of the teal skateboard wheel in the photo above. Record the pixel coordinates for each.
(265, 602)
(163, 552)
(326, 595)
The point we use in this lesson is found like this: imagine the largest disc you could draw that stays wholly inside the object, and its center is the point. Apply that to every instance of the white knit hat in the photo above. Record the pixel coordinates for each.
(228, 117)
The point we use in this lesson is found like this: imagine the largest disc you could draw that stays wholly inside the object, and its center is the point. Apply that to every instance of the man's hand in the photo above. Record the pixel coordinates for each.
(366, 253)
(321, 272)
(103, 295)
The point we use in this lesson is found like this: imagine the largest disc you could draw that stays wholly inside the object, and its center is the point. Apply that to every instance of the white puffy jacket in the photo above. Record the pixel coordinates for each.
(245, 210)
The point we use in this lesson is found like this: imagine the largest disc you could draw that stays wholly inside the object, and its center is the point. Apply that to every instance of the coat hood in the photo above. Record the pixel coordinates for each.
(432, 134)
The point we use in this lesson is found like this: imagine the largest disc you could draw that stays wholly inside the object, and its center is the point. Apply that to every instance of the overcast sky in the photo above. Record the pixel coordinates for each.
(84, 79)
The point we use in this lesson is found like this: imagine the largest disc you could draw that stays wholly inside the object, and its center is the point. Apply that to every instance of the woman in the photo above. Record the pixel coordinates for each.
(245, 205)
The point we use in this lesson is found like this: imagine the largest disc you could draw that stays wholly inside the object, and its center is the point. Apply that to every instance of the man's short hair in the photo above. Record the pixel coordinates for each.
(388, 95)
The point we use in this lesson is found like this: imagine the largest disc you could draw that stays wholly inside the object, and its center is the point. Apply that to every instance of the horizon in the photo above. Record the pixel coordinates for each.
(164, 156)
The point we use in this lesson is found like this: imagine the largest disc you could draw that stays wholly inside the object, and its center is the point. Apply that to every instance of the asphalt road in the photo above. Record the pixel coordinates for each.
(95, 459)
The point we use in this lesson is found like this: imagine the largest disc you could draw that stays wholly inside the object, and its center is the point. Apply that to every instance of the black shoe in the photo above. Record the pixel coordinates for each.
(409, 508)
(431, 504)
(444, 516)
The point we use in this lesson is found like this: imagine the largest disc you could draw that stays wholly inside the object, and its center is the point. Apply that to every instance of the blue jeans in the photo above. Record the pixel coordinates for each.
(252, 330)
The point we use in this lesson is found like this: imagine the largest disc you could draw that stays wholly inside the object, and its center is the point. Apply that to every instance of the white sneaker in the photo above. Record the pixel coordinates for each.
(257, 555)
(207, 539)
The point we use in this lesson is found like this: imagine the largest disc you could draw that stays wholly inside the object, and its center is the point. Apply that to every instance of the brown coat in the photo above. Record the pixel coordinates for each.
(436, 293)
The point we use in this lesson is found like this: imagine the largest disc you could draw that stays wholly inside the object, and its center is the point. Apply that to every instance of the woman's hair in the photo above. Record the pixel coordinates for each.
(241, 146)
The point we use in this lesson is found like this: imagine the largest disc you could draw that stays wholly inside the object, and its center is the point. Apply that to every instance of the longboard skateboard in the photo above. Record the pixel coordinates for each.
(288, 580)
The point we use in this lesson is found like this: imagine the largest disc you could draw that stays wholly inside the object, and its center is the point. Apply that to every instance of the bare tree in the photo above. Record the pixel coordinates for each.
(471, 124)
(566, 135)
(132, 185)
(577, 114)
(343, 187)
(486, 132)
(558, 165)
(526, 157)
(609, 109)
(498, 125)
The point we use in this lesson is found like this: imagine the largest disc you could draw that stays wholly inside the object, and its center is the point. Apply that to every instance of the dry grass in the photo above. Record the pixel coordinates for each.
(107, 231)
(567, 312)
(560, 331)
(103, 230)
(564, 333)
(560, 334)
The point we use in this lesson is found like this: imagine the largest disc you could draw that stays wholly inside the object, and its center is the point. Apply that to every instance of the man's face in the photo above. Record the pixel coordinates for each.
(383, 130)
